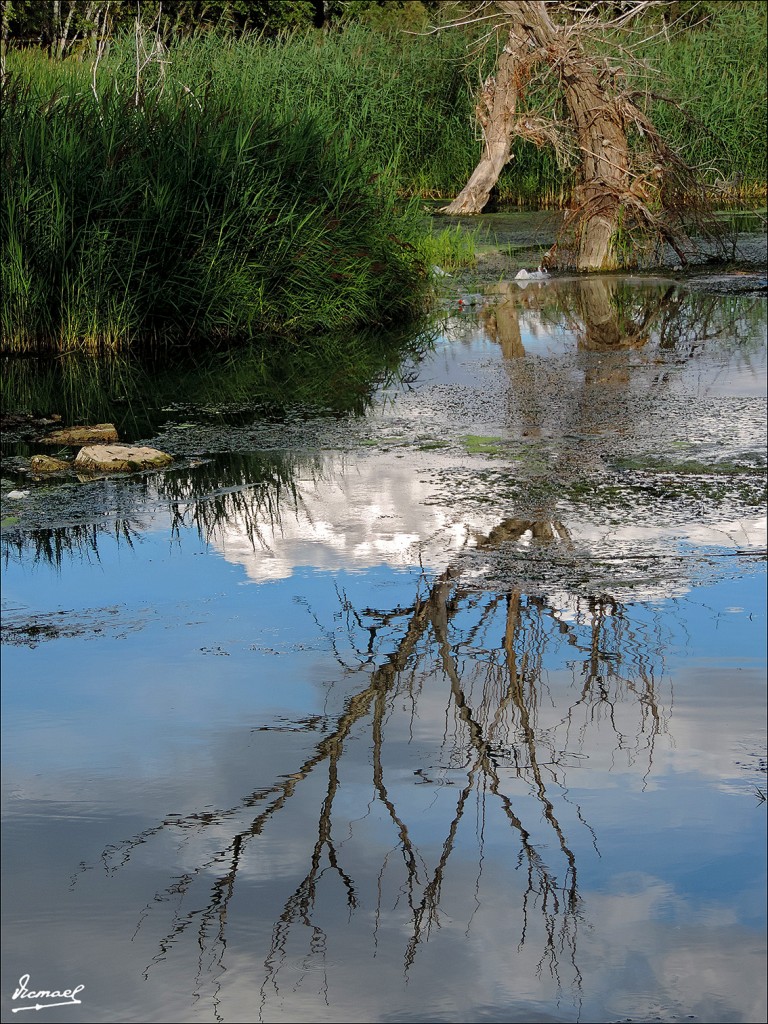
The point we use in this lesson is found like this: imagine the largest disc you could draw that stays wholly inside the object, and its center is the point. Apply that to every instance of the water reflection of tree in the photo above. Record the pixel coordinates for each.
(610, 370)
(615, 313)
(484, 656)
(499, 736)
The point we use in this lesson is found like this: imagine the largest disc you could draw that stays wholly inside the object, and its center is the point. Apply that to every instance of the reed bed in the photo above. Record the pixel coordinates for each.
(716, 74)
(182, 214)
(413, 96)
(272, 188)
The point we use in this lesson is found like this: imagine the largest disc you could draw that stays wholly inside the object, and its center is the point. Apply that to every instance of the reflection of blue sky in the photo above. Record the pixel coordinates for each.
(726, 616)
(163, 714)
(186, 644)
(220, 669)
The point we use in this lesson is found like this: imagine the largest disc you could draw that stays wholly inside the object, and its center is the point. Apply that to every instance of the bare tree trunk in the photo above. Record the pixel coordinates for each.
(495, 112)
(604, 174)
(3, 39)
(596, 121)
(56, 27)
(600, 135)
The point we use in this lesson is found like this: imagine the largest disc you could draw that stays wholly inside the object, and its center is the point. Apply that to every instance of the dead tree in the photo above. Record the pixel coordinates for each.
(630, 186)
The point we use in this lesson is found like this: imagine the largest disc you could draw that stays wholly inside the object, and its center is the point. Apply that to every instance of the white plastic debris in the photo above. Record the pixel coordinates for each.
(539, 274)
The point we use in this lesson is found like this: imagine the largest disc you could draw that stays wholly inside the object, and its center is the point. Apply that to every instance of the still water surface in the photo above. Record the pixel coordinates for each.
(454, 711)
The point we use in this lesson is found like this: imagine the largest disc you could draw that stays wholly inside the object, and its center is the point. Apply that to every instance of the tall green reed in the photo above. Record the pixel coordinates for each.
(414, 96)
(208, 213)
(716, 73)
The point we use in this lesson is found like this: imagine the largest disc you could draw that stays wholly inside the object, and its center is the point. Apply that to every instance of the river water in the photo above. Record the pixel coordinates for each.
(451, 710)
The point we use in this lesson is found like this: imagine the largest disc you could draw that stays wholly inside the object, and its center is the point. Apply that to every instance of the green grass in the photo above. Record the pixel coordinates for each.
(477, 444)
(270, 188)
(217, 217)
(449, 248)
(410, 97)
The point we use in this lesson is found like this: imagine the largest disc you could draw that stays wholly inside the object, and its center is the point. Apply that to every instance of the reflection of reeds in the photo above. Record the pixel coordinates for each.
(52, 544)
(251, 489)
(81, 390)
(137, 394)
(254, 490)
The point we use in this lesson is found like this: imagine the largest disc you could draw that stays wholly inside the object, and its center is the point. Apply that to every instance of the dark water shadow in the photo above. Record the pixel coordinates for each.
(231, 386)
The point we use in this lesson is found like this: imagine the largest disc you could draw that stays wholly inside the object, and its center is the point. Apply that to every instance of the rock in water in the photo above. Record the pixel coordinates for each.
(46, 464)
(100, 432)
(119, 458)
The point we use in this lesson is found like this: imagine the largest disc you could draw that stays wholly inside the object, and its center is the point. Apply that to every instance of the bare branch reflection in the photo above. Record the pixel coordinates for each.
(508, 746)
(463, 709)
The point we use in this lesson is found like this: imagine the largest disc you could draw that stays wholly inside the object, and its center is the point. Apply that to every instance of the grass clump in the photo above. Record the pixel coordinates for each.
(716, 72)
(167, 215)
(477, 444)
(450, 249)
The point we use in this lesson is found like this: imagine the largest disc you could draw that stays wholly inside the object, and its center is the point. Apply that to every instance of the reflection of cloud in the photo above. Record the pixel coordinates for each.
(727, 533)
(644, 951)
(674, 959)
(386, 511)
(374, 512)
(719, 723)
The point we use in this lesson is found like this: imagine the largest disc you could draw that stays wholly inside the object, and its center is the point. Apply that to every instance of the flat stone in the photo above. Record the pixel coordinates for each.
(119, 458)
(98, 433)
(47, 464)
